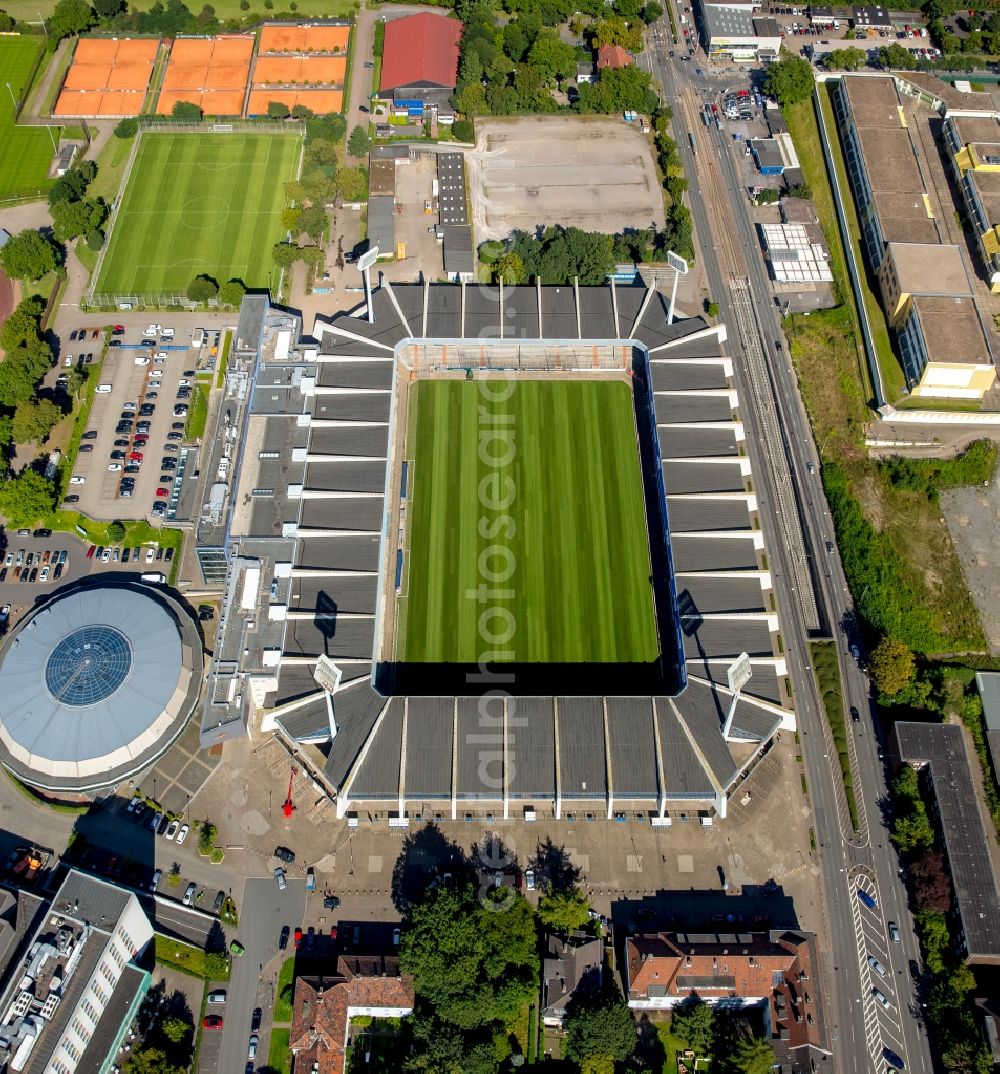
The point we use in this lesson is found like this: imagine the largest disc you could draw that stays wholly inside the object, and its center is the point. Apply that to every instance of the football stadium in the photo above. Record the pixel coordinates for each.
(495, 552)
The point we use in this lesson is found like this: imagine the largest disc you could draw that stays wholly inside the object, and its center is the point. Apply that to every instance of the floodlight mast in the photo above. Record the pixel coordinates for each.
(680, 267)
(365, 262)
(738, 674)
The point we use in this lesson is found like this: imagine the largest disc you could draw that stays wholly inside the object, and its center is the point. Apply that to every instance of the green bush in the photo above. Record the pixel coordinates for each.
(127, 128)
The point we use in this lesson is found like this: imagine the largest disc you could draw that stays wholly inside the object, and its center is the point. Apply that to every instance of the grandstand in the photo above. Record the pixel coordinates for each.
(109, 77)
(211, 72)
(313, 524)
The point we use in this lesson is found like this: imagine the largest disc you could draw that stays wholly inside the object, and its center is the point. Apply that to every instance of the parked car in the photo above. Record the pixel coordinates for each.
(211, 1021)
(172, 830)
(182, 834)
(217, 997)
(279, 879)
(189, 893)
(284, 854)
(283, 938)
(155, 882)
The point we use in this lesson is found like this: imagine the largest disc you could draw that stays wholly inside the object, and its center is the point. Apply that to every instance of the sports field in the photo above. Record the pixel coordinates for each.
(25, 152)
(199, 203)
(565, 564)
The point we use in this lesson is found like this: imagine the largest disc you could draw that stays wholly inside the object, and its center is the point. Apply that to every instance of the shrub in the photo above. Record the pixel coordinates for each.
(127, 128)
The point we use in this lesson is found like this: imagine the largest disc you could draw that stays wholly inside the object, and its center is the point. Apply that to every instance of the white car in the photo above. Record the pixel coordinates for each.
(182, 834)
(141, 359)
(114, 467)
(76, 479)
(172, 830)
(106, 555)
(166, 333)
(150, 555)
(154, 883)
(151, 330)
(160, 356)
(155, 374)
(189, 893)
(44, 576)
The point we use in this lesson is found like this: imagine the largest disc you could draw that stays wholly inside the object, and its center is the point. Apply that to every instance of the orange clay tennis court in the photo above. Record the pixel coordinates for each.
(320, 102)
(304, 38)
(299, 70)
(109, 77)
(209, 72)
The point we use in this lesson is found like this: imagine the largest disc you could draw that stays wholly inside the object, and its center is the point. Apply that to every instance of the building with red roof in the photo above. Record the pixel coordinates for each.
(420, 61)
(613, 57)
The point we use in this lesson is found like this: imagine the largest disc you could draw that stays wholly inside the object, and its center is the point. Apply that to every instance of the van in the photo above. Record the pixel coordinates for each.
(103, 389)
(198, 339)
(154, 577)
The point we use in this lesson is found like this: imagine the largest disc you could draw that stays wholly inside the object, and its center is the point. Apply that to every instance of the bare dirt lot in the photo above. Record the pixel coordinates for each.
(592, 172)
(973, 514)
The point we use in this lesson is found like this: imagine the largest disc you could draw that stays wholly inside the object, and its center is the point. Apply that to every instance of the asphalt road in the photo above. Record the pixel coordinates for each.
(267, 909)
(859, 1028)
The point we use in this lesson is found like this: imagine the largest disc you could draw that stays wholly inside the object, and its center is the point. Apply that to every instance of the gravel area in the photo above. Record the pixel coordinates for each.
(973, 516)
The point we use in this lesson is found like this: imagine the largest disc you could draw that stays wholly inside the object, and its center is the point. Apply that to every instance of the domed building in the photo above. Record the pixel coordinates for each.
(96, 684)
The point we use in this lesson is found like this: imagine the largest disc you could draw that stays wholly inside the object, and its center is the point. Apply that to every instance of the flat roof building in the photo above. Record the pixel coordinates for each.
(940, 748)
(942, 342)
(988, 684)
(794, 255)
(871, 16)
(68, 1004)
(735, 33)
(973, 145)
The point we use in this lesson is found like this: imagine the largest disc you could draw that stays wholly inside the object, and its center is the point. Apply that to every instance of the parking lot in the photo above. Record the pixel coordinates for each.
(45, 552)
(127, 466)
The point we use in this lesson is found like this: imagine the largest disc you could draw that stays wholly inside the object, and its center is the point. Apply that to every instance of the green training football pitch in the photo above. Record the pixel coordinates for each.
(25, 152)
(199, 203)
(536, 496)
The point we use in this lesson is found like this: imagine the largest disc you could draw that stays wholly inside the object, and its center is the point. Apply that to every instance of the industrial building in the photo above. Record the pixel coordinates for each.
(312, 555)
(939, 749)
(775, 972)
(793, 255)
(98, 682)
(942, 341)
(420, 63)
(774, 156)
(67, 1005)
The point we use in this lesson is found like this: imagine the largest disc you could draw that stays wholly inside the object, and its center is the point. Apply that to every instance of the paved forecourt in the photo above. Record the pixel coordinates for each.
(25, 152)
(199, 203)
(571, 562)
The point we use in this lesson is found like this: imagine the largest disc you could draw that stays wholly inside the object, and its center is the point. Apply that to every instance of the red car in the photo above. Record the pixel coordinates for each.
(90, 551)
(211, 1021)
(136, 456)
(118, 329)
(95, 333)
(141, 440)
(297, 938)
(162, 492)
(333, 932)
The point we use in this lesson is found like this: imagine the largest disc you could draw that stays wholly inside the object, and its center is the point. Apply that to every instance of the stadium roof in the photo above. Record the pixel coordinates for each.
(96, 683)
(420, 50)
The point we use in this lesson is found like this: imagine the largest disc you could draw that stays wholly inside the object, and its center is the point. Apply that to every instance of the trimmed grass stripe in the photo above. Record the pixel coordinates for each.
(567, 562)
(199, 203)
(25, 152)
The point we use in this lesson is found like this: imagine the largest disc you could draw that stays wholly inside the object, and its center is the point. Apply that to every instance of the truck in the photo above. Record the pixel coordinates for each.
(198, 339)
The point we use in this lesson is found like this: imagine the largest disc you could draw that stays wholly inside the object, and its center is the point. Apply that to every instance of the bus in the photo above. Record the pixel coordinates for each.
(694, 148)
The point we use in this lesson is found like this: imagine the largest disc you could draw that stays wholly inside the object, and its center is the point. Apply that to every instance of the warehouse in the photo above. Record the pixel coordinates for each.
(420, 62)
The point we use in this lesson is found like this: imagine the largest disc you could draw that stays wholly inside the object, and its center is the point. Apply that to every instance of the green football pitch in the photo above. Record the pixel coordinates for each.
(199, 203)
(564, 565)
(25, 152)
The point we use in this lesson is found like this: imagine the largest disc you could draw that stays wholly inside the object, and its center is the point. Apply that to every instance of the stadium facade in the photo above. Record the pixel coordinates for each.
(306, 521)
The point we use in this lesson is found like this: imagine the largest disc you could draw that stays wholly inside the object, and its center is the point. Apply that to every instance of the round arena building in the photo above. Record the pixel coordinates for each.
(96, 684)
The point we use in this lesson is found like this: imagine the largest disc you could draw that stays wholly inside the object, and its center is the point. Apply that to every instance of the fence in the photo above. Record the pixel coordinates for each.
(520, 356)
(152, 300)
(265, 125)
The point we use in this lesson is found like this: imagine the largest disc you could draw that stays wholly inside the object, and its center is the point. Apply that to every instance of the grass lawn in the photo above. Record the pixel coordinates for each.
(565, 560)
(25, 152)
(279, 1058)
(111, 163)
(199, 203)
(182, 956)
(827, 671)
(197, 412)
(283, 996)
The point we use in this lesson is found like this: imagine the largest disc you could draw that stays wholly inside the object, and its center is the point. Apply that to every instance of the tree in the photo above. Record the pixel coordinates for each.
(359, 144)
(278, 110)
(20, 371)
(565, 909)
(931, 883)
(116, 531)
(313, 221)
(73, 218)
(509, 268)
(844, 59)
(694, 1023)
(464, 130)
(789, 80)
(107, 9)
(29, 255)
(598, 1064)
(284, 254)
(231, 293)
(69, 17)
(352, 183)
(202, 288)
(651, 12)
(599, 1025)
(711, 308)
(623, 89)
(21, 327)
(473, 962)
(34, 420)
(891, 667)
(552, 57)
(174, 1029)
(752, 1055)
(149, 1061)
(26, 498)
(186, 111)
(896, 57)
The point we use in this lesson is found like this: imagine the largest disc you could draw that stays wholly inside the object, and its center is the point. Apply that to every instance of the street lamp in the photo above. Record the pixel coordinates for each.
(13, 101)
